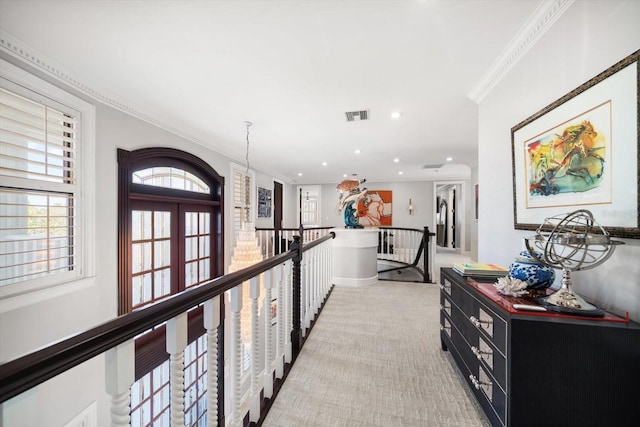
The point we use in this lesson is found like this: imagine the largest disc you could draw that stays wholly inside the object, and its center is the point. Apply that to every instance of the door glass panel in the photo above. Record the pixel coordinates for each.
(197, 247)
(150, 256)
(162, 225)
(191, 249)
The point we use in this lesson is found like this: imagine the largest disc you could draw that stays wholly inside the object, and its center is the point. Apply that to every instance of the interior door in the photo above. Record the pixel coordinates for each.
(277, 217)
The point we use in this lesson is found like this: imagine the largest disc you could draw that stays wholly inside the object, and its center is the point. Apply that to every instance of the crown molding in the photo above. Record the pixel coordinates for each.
(538, 23)
(27, 54)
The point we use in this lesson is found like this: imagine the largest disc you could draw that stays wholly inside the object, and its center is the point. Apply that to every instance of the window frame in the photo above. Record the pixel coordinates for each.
(36, 290)
(130, 161)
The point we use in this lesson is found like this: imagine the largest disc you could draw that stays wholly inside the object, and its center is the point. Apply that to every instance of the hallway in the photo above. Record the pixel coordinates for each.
(374, 359)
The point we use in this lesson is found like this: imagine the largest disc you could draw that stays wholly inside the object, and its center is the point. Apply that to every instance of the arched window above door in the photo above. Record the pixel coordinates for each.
(170, 224)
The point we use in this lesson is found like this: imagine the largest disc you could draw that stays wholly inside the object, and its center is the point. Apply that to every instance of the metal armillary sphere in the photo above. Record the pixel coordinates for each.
(571, 242)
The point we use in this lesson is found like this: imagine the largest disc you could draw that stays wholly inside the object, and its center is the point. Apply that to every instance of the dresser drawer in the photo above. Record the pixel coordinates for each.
(479, 349)
(490, 395)
(490, 324)
(485, 389)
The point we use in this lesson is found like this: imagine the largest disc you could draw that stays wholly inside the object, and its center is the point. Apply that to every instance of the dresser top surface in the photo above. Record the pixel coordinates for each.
(485, 286)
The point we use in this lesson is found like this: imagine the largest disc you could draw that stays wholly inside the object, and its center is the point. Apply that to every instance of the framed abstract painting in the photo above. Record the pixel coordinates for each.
(581, 152)
(375, 208)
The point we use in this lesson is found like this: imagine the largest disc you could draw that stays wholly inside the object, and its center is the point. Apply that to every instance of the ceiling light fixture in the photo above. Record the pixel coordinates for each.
(324, 163)
(357, 151)
(396, 115)
(396, 160)
(400, 173)
(299, 173)
(449, 159)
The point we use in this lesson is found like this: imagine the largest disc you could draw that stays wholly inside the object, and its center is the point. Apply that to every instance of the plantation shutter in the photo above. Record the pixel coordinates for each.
(39, 179)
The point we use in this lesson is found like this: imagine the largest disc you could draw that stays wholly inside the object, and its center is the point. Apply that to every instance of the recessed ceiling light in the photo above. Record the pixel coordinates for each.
(400, 173)
(449, 159)
(357, 151)
(299, 173)
(344, 175)
(324, 163)
(396, 160)
(396, 115)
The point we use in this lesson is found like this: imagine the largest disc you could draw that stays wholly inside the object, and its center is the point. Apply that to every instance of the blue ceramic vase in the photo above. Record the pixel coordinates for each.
(527, 268)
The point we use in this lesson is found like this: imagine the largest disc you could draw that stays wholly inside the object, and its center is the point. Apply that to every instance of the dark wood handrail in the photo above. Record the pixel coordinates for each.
(292, 229)
(26, 372)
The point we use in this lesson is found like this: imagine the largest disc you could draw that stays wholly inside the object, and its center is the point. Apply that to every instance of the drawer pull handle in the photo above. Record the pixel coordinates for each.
(477, 383)
(478, 323)
(479, 353)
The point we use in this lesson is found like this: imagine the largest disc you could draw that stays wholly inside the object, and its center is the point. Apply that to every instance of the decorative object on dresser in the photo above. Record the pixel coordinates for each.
(572, 242)
(511, 286)
(528, 268)
(530, 368)
(480, 269)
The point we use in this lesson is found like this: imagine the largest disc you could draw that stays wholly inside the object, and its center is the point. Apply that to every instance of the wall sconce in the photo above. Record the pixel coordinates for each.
(411, 207)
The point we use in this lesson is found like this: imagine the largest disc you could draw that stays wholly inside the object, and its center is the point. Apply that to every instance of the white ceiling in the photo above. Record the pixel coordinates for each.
(293, 68)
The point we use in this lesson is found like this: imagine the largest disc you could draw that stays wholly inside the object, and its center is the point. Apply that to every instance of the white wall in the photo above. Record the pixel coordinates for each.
(589, 37)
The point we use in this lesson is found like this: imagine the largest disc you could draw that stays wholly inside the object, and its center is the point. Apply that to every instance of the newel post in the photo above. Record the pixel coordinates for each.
(426, 237)
(296, 333)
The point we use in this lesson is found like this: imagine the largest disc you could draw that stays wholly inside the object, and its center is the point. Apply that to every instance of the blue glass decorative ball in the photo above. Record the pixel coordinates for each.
(528, 269)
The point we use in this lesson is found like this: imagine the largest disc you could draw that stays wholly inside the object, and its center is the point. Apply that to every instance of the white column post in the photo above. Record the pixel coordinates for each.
(211, 323)
(254, 398)
(280, 321)
(288, 300)
(119, 376)
(176, 343)
(236, 355)
(303, 295)
(268, 342)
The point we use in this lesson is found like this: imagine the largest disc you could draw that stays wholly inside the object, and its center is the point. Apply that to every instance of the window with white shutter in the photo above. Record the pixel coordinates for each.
(42, 212)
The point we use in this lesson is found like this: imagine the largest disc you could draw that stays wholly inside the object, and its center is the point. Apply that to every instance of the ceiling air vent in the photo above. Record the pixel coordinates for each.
(437, 166)
(353, 116)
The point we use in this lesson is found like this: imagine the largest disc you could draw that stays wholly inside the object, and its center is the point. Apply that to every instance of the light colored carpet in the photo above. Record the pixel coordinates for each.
(373, 358)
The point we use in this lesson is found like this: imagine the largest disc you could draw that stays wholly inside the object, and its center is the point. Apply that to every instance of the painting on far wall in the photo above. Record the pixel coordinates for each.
(375, 208)
(264, 203)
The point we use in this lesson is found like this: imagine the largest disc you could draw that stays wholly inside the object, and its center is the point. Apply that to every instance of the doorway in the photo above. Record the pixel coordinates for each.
(449, 216)
(449, 223)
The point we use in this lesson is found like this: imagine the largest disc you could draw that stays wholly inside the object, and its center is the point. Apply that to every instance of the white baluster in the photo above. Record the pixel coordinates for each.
(312, 285)
(414, 246)
(303, 296)
(308, 291)
(254, 398)
(211, 323)
(280, 321)
(268, 331)
(236, 355)
(325, 270)
(176, 343)
(288, 299)
(318, 279)
(119, 376)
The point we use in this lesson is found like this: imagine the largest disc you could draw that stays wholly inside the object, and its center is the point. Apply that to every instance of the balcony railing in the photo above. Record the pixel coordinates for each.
(407, 248)
(404, 248)
(295, 283)
(274, 241)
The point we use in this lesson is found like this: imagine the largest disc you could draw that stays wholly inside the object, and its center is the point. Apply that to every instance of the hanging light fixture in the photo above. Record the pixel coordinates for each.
(246, 196)
(247, 250)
